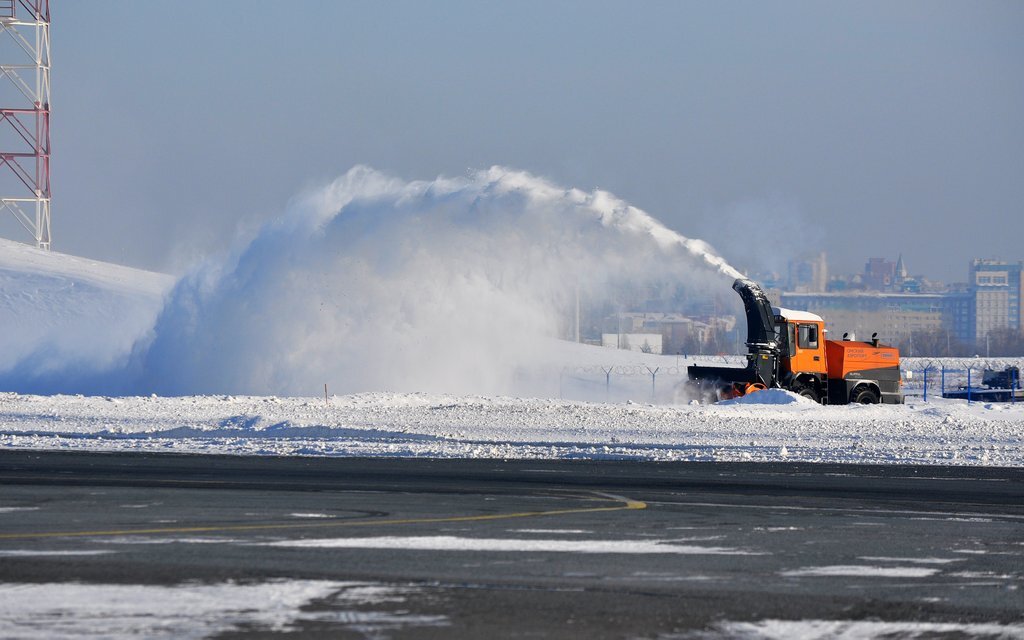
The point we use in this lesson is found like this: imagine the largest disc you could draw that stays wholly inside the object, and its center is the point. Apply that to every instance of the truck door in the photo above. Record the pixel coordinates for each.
(807, 347)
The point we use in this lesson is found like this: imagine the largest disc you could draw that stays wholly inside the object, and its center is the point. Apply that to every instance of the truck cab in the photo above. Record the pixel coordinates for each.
(833, 371)
(803, 359)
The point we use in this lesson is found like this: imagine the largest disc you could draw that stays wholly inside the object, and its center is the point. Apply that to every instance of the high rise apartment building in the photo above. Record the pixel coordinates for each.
(995, 289)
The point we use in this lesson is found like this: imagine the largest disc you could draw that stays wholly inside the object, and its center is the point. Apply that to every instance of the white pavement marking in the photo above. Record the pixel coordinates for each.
(514, 545)
(861, 571)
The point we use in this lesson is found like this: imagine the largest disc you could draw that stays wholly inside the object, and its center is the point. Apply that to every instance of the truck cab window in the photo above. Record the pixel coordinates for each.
(791, 343)
(807, 336)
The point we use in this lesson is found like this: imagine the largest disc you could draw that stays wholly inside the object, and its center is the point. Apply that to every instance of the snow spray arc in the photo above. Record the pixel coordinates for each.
(373, 283)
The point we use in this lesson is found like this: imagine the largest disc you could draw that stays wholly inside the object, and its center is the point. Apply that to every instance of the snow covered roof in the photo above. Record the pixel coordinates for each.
(799, 316)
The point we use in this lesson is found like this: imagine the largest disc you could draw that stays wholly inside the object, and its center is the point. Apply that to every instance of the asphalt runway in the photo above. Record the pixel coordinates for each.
(170, 545)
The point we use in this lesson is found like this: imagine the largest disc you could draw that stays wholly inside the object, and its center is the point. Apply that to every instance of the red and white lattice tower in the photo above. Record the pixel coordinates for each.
(25, 115)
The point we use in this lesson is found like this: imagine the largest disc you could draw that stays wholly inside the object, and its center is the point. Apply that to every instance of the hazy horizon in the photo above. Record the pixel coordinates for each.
(861, 129)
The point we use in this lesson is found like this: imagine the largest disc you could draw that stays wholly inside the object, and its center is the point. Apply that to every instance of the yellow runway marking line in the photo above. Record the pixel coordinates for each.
(627, 504)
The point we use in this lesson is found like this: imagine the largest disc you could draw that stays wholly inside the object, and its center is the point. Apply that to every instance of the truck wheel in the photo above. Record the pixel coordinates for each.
(807, 391)
(865, 395)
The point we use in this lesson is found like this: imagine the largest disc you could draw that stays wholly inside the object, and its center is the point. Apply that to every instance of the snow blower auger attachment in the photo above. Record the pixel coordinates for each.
(787, 349)
(723, 383)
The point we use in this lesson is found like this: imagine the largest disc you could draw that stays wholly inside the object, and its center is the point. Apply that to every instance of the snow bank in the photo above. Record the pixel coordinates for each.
(770, 396)
(432, 425)
(65, 319)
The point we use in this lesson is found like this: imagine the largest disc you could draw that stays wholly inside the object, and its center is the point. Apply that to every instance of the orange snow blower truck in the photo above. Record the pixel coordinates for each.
(787, 349)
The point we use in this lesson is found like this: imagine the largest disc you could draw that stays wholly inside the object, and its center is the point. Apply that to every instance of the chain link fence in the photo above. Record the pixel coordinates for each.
(635, 383)
(961, 378)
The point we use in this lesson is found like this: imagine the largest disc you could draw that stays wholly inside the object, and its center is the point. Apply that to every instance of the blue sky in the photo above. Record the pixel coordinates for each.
(768, 129)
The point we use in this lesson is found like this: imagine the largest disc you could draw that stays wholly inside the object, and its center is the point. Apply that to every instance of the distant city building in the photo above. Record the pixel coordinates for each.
(808, 274)
(879, 274)
(882, 275)
(960, 302)
(900, 272)
(995, 289)
(922, 317)
(639, 342)
(676, 333)
(844, 282)
(887, 300)
(893, 316)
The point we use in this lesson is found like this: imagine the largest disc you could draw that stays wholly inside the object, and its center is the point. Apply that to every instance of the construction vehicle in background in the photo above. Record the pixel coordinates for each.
(787, 349)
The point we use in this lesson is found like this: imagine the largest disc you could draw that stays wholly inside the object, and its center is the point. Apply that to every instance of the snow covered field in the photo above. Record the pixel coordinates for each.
(779, 426)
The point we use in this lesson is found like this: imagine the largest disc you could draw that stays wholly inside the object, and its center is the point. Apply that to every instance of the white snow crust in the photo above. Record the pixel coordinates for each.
(861, 571)
(441, 426)
(859, 630)
(512, 545)
(75, 610)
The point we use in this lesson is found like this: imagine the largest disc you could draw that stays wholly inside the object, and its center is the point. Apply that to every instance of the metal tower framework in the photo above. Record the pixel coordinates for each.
(25, 146)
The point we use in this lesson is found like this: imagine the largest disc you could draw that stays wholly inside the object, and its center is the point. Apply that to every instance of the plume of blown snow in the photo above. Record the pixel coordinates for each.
(374, 283)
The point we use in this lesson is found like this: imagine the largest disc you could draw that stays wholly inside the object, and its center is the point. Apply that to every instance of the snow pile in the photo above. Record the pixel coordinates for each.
(770, 396)
(65, 318)
(430, 425)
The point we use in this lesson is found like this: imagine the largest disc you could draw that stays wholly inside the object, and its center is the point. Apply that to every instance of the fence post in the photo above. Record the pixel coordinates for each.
(653, 375)
(1013, 386)
(968, 385)
(607, 382)
(926, 384)
(943, 381)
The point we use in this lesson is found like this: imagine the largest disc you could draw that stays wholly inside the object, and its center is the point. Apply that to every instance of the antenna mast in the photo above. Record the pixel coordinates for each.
(25, 124)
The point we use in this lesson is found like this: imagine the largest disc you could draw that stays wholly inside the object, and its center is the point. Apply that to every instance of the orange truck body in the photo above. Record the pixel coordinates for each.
(835, 371)
(849, 357)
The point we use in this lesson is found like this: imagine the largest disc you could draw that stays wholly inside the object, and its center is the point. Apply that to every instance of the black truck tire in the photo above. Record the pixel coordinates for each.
(806, 390)
(864, 395)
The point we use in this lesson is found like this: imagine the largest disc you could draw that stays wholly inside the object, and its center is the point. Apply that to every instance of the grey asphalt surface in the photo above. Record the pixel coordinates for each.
(688, 547)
